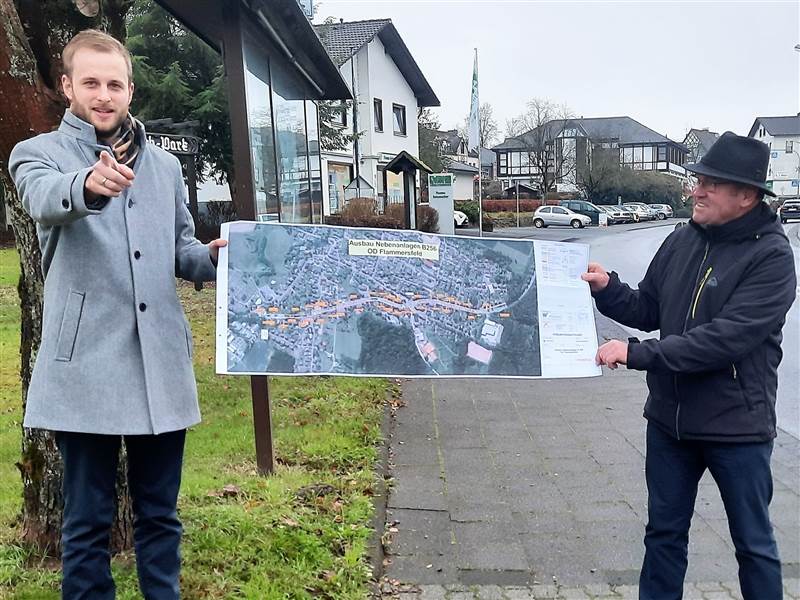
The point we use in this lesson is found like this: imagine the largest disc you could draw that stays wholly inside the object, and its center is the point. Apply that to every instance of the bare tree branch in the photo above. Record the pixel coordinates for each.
(539, 131)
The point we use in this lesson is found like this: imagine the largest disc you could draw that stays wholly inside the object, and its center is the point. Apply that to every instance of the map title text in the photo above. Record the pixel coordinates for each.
(381, 248)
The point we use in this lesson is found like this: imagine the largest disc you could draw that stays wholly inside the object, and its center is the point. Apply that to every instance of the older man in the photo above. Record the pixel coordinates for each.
(719, 291)
(115, 358)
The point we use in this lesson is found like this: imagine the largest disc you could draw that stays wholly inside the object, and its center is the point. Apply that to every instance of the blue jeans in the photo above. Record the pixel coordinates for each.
(154, 478)
(742, 474)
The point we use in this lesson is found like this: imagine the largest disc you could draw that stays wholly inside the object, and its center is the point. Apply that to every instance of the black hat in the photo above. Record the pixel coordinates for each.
(736, 158)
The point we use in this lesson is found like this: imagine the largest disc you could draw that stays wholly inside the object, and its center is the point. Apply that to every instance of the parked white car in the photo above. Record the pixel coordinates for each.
(641, 211)
(460, 219)
(559, 215)
(664, 210)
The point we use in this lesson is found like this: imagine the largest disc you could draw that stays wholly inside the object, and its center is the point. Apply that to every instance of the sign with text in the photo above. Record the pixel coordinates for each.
(440, 197)
(175, 144)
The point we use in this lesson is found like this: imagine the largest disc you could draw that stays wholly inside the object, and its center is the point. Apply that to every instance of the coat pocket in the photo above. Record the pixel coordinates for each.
(69, 326)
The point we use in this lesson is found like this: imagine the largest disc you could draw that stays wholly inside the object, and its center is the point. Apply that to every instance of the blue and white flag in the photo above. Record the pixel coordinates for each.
(474, 129)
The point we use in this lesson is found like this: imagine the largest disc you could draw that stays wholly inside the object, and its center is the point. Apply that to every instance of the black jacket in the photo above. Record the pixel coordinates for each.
(720, 296)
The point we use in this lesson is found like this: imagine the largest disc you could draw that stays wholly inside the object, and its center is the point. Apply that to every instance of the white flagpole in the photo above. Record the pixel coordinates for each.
(480, 168)
(480, 180)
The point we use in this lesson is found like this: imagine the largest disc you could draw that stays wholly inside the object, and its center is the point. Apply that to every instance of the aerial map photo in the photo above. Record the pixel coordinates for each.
(339, 300)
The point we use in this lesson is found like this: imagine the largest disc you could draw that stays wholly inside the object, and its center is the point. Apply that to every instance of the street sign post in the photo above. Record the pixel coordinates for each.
(440, 197)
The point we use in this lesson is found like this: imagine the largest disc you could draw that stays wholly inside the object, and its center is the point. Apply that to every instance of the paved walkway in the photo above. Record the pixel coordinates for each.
(535, 489)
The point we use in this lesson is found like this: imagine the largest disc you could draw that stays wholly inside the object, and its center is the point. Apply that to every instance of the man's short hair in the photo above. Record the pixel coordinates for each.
(96, 40)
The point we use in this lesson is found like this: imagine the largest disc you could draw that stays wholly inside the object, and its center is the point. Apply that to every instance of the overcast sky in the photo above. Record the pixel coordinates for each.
(669, 65)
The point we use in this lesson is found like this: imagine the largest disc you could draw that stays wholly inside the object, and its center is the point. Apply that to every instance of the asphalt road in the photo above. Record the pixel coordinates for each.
(628, 249)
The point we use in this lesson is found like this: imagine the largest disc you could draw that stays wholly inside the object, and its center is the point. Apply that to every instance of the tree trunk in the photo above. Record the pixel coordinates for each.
(31, 103)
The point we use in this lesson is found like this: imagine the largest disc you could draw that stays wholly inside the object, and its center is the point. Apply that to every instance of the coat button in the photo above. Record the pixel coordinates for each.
(137, 255)
(65, 203)
(130, 202)
(142, 307)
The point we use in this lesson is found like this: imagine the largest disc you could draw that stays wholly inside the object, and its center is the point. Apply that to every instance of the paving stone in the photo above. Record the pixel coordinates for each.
(544, 591)
(628, 592)
(717, 595)
(709, 586)
(733, 589)
(432, 592)
(414, 569)
(420, 531)
(489, 592)
(599, 590)
(497, 512)
(519, 593)
(497, 555)
(572, 593)
(461, 596)
(593, 511)
(792, 586)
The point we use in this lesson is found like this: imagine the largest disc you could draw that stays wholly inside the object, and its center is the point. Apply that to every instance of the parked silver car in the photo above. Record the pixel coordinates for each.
(559, 215)
(664, 210)
(617, 214)
(642, 211)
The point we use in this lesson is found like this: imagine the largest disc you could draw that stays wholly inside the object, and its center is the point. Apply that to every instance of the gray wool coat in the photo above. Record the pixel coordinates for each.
(116, 351)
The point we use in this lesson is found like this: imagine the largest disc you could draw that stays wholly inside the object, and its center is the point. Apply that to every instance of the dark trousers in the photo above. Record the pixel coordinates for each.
(742, 474)
(154, 477)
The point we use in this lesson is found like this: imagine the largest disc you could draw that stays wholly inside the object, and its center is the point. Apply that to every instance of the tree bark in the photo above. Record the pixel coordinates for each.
(32, 35)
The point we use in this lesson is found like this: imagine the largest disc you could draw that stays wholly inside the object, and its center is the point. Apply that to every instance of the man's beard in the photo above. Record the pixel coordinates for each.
(103, 132)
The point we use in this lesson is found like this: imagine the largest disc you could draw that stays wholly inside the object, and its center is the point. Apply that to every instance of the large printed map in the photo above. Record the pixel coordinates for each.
(296, 299)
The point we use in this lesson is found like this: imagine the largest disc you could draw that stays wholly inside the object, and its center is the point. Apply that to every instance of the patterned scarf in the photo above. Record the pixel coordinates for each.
(124, 144)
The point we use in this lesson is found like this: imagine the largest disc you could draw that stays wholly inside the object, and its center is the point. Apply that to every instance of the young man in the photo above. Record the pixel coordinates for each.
(116, 354)
(719, 291)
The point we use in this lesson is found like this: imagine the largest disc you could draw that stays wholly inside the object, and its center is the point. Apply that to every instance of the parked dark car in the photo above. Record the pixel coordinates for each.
(583, 207)
(790, 209)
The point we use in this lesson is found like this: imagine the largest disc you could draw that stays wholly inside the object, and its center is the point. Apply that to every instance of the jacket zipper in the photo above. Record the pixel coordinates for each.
(738, 381)
(700, 290)
(690, 312)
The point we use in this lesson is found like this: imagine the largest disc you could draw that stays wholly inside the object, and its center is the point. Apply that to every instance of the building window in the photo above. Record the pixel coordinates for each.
(262, 143)
(662, 153)
(399, 113)
(339, 115)
(377, 109)
(339, 176)
(291, 147)
(789, 146)
(627, 156)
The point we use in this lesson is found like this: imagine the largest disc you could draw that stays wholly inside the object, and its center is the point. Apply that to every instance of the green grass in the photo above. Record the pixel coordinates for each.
(301, 533)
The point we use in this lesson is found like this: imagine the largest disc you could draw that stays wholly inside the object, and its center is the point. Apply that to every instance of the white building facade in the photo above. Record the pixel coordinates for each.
(782, 135)
(389, 89)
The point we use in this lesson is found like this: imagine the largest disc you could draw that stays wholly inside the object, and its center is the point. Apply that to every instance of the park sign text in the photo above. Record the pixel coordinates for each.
(175, 144)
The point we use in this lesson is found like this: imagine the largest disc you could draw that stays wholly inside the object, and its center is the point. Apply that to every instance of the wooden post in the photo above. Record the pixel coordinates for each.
(244, 201)
(191, 175)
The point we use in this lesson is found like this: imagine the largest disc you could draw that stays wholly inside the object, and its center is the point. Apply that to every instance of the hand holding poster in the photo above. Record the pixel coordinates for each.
(298, 299)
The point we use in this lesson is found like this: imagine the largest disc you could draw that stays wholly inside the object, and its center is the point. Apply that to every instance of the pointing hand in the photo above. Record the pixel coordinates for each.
(108, 177)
